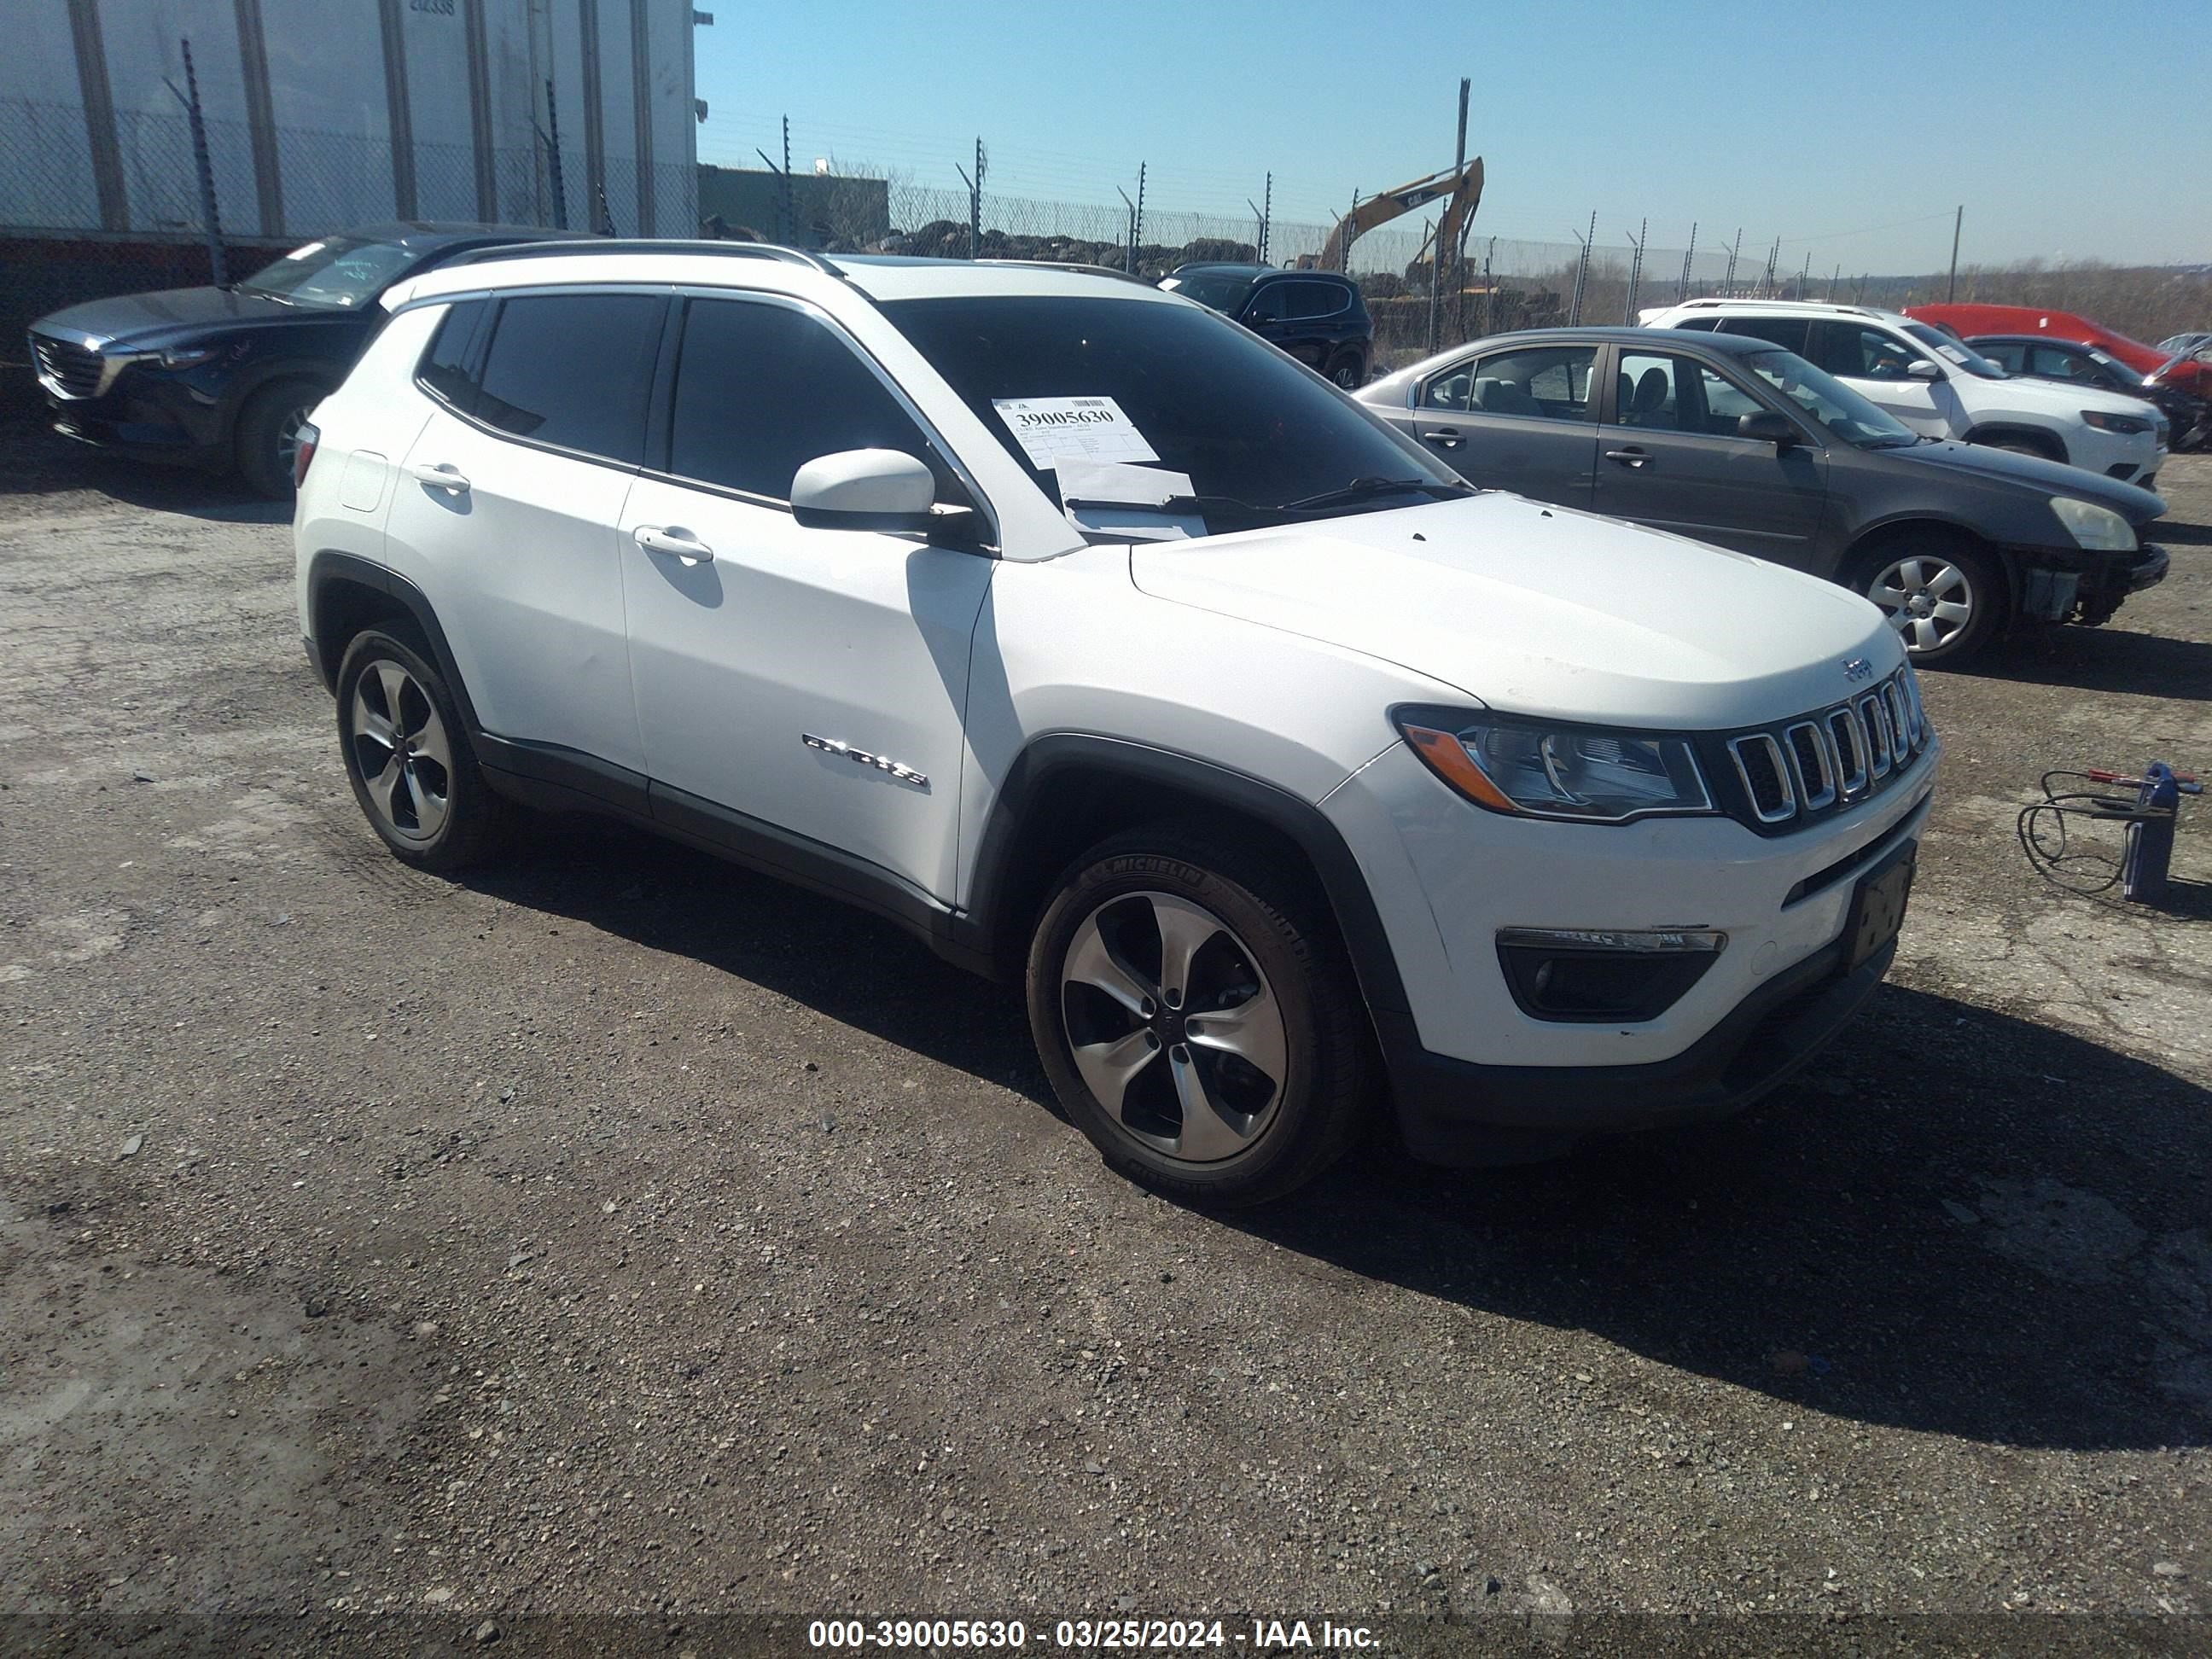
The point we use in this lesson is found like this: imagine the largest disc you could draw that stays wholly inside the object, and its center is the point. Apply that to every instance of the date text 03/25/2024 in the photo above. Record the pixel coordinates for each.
(1120, 1635)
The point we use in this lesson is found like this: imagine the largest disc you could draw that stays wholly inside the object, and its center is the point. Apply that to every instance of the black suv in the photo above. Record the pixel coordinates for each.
(223, 377)
(2040, 357)
(1733, 441)
(1317, 316)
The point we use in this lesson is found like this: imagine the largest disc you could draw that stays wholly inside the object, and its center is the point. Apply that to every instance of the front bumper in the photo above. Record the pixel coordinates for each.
(150, 415)
(1452, 1112)
(1476, 1077)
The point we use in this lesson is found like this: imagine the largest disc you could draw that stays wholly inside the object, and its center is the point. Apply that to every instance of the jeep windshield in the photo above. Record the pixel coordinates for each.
(343, 272)
(1835, 407)
(1263, 441)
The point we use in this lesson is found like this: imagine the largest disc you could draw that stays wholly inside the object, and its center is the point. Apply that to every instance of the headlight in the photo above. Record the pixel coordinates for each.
(185, 356)
(2129, 424)
(2091, 525)
(1533, 769)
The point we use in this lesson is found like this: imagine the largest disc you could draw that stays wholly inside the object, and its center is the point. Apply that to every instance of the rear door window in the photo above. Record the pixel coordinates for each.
(1314, 299)
(762, 389)
(444, 367)
(573, 370)
(1550, 383)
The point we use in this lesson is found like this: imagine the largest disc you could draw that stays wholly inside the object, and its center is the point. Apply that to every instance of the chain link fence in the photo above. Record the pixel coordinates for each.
(51, 199)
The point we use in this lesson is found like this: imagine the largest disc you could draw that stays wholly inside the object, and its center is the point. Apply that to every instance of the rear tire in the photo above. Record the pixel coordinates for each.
(406, 753)
(268, 432)
(1946, 598)
(1198, 1018)
(1348, 370)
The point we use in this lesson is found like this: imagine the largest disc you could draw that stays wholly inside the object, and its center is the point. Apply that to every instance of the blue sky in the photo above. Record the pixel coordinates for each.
(2066, 130)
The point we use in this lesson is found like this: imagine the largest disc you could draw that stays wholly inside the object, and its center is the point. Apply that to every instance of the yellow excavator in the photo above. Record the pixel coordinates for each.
(1464, 186)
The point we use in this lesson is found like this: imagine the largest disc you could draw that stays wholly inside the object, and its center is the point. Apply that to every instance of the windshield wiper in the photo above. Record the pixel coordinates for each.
(1361, 490)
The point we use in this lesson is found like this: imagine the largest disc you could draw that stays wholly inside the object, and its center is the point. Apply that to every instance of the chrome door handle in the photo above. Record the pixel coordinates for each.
(443, 475)
(1446, 435)
(673, 539)
(1627, 457)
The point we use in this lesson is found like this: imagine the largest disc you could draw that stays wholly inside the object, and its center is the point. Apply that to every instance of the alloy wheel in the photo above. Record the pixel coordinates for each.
(1928, 599)
(288, 440)
(399, 746)
(1173, 1027)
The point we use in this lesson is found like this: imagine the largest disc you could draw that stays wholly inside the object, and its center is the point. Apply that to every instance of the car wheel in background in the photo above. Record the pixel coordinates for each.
(1198, 1018)
(1348, 370)
(269, 433)
(1946, 598)
(407, 753)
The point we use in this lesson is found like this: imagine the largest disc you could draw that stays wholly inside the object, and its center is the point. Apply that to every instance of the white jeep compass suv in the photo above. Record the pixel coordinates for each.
(1103, 645)
(1941, 387)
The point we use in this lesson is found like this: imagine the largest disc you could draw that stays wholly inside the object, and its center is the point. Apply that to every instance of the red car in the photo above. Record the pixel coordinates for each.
(2192, 374)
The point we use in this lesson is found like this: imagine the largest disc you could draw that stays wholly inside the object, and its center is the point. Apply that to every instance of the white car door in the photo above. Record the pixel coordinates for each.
(509, 500)
(807, 681)
(1877, 363)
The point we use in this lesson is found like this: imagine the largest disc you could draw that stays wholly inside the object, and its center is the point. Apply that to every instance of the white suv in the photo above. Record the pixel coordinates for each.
(1941, 387)
(1105, 647)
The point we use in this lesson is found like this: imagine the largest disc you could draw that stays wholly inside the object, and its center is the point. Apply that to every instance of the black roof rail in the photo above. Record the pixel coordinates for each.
(789, 255)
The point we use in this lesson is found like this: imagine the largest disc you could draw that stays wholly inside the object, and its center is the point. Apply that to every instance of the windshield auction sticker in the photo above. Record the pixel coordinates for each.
(1051, 430)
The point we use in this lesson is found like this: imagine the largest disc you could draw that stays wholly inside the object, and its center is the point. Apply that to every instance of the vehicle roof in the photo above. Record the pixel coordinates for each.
(2058, 340)
(1233, 267)
(1674, 340)
(1792, 308)
(765, 267)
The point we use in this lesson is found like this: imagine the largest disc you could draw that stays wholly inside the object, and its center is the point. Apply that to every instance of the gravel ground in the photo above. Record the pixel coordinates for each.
(619, 1231)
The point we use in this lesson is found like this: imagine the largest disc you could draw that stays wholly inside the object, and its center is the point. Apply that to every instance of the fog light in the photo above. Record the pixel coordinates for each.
(1599, 975)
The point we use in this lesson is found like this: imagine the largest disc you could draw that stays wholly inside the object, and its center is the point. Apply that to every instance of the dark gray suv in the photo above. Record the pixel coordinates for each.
(1736, 441)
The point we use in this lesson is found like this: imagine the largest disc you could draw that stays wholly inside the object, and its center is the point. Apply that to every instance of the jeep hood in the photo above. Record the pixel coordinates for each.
(1542, 610)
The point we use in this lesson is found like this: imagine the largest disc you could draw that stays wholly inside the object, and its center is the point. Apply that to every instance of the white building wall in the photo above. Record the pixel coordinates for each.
(329, 105)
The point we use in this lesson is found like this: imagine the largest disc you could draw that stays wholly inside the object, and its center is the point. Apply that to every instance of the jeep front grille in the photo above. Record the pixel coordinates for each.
(1829, 761)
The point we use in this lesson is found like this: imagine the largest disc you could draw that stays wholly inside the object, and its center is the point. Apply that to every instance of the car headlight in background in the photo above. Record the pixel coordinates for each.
(2091, 525)
(2129, 424)
(1529, 767)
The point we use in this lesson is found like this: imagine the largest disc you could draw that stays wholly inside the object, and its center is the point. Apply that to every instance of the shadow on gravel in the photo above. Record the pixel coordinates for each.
(1961, 1222)
(42, 464)
(2108, 658)
(837, 960)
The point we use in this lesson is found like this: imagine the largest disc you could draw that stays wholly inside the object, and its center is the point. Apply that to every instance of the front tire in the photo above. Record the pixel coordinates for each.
(1197, 1016)
(1946, 598)
(407, 756)
(269, 435)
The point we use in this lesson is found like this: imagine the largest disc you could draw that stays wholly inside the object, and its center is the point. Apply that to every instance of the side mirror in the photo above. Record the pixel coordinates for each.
(864, 489)
(1922, 370)
(1766, 426)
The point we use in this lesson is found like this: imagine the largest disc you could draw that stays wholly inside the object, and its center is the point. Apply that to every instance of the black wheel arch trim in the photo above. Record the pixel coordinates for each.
(1045, 758)
(330, 567)
(1990, 432)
